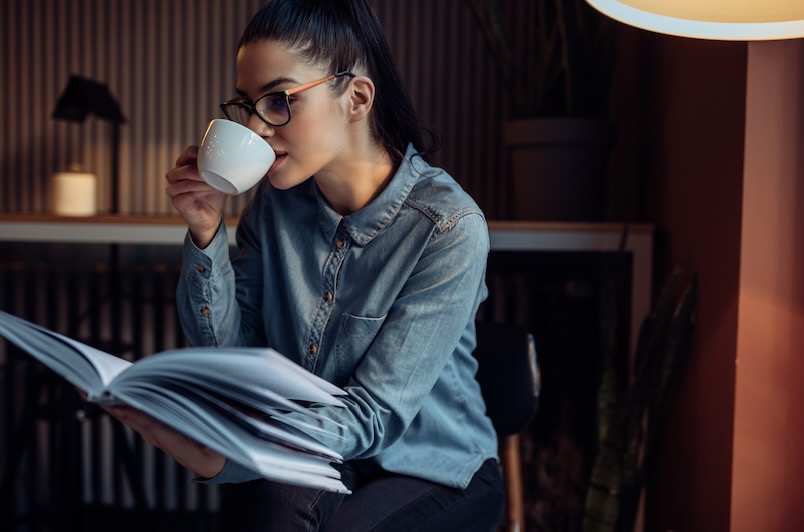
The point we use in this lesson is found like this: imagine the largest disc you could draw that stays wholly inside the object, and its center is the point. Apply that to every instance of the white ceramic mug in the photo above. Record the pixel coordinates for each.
(232, 158)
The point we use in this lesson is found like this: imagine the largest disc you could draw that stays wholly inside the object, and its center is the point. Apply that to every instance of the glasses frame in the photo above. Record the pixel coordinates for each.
(287, 93)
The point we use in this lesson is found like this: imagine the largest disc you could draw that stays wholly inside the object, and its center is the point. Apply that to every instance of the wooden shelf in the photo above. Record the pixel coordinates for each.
(160, 229)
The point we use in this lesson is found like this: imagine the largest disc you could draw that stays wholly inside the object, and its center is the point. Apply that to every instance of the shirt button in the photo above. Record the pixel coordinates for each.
(328, 296)
(205, 311)
(340, 244)
(200, 268)
(313, 349)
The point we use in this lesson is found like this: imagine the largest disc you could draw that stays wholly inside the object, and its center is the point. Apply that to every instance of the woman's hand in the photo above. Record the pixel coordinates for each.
(198, 203)
(189, 453)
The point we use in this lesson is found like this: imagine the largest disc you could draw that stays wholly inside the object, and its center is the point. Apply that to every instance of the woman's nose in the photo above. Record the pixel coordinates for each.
(259, 126)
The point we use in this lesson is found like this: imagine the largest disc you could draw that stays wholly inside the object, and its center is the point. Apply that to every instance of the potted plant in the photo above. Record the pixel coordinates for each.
(555, 60)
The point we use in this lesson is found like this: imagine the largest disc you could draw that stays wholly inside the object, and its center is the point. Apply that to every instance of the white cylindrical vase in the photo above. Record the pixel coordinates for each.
(75, 194)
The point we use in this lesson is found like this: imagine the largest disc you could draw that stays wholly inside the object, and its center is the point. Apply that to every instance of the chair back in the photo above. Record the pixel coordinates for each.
(508, 374)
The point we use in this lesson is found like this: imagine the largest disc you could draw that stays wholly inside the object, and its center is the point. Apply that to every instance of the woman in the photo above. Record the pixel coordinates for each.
(359, 261)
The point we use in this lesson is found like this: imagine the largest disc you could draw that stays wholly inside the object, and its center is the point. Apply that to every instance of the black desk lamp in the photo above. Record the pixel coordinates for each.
(80, 98)
(84, 96)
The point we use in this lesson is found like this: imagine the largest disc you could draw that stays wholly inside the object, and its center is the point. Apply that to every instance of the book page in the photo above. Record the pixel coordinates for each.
(265, 427)
(83, 366)
(262, 400)
(241, 367)
(224, 435)
(108, 366)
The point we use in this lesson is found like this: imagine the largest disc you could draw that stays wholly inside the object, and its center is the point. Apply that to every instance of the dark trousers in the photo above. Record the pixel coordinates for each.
(380, 502)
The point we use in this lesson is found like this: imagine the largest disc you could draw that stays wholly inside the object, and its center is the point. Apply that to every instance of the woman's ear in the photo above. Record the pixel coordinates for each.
(361, 97)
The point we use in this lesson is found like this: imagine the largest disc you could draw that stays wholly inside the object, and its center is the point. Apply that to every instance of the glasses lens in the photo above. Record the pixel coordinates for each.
(274, 109)
(237, 112)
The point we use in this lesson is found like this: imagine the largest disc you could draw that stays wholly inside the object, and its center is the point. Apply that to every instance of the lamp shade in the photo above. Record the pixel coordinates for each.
(727, 20)
(85, 96)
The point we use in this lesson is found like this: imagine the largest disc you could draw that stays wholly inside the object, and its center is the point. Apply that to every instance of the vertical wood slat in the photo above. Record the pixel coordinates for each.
(170, 63)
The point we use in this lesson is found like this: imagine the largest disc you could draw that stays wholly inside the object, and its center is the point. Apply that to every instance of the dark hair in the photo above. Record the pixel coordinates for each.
(347, 35)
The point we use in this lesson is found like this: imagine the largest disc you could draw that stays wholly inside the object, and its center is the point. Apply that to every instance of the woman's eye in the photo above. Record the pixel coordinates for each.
(271, 103)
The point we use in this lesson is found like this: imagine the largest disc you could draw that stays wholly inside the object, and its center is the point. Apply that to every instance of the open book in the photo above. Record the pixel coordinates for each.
(236, 401)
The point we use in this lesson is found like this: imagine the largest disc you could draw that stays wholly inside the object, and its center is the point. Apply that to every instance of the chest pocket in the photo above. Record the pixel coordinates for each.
(354, 338)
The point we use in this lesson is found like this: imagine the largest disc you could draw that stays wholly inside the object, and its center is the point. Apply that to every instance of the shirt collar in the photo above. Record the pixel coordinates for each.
(367, 223)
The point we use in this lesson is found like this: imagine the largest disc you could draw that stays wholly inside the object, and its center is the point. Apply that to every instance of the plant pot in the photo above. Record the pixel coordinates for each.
(559, 167)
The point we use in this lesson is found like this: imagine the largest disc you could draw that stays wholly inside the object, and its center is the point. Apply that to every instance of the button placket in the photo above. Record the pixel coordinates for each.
(325, 305)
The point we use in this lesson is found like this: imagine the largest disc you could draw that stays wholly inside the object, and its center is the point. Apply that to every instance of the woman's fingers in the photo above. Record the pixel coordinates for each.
(198, 203)
(188, 156)
(186, 451)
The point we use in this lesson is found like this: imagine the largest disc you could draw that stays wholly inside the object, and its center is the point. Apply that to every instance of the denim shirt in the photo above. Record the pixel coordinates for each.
(381, 302)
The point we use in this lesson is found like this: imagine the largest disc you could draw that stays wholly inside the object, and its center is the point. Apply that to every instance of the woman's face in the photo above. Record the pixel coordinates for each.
(312, 141)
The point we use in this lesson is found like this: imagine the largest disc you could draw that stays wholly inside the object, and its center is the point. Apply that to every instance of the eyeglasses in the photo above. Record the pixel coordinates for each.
(272, 108)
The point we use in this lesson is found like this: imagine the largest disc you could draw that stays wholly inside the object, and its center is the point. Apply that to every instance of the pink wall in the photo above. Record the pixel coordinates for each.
(769, 396)
(694, 93)
(724, 144)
